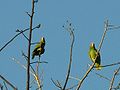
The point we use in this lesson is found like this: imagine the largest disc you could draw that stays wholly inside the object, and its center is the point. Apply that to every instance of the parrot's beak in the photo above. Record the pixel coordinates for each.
(92, 44)
(42, 39)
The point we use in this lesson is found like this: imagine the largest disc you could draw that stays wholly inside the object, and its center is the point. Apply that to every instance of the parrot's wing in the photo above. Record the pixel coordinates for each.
(92, 54)
(37, 46)
(89, 54)
(98, 60)
(35, 51)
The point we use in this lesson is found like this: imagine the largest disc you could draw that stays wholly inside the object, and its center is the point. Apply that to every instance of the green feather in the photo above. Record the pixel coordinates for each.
(39, 48)
(93, 55)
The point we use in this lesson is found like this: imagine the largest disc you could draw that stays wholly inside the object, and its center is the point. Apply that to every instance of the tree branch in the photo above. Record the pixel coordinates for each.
(38, 62)
(14, 88)
(113, 79)
(29, 47)
(100, 45)
(38, 26)
(101, 76)
(103, 36)
(32, 71)
(86, 74)
(111, 64)
(5, 86)
(57, 84)
(23, 34)
(1, 86)
(72, 37)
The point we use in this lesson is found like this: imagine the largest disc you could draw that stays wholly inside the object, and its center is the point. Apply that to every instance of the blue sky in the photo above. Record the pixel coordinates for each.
(87, 17)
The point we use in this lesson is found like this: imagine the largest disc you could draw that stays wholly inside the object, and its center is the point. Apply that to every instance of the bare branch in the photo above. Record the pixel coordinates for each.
(70, 77)
(91, 67)
(117, 87)
(112, 27)
(1, 86)
(29, 47)
(23, 34)
(56, 84)
(38, 26)
(36, 1)
(101, 76)
(103, 36)
(72, 87)
(35, 43)
(8, 82)
(72, 37)
(23, 66)
(5, 86)
(31, 72)
(25, 56)
(86, 74)
(37, 73)
(113, 64)
(28, 14)
(38, 62)
(113, 79)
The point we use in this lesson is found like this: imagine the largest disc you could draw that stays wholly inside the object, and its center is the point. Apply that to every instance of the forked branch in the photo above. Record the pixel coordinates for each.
(91, 67)
(29, 47)
(72, 37)
(113, 79)
(14, 88)
(13, 38)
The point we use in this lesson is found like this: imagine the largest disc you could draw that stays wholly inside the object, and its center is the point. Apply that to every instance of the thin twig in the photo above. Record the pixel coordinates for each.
(36, 76)
(86, 74)
(35, 43)
(23, 34)
(117, 87)
(25, 56)
(23, 66)
(17, 36)
(113, 79)
(29, 47)
(114, 27)
(1, 86)
(56, 84)
(38, 62)
(72, 87)
(113, 64)
(14, 88)
(101, 76)
(91, 67)
(70, 77)
(104, 34)
(5, 86)
(37, 73)
(31, 72)
(70, 30)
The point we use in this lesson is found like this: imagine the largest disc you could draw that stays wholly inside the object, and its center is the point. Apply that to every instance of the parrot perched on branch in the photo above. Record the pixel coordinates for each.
(39, 48)
(93, 54)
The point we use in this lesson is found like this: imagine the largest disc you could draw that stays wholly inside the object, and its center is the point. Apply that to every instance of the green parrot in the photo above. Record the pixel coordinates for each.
(39, 48)
(92, 54)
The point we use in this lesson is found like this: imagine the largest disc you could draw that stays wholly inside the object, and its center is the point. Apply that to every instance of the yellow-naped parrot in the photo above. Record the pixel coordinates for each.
(39, 48)
(93, 55)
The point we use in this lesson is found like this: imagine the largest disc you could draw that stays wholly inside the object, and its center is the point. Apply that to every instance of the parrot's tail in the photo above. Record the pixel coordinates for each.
(98, 66)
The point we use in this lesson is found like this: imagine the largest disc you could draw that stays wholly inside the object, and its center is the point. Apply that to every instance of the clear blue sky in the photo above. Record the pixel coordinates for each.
(88, 18)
